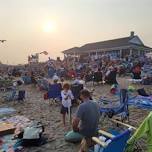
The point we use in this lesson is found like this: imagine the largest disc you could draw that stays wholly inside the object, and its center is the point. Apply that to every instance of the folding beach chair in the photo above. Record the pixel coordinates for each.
(122, 109)
(21, 95)
(43, 84)
(54, 92)
(26, 79)
(117, 143)
(76, 88)
(112, 143)
(144, 130)
(89, 78)
(10, 96)
(97, 77)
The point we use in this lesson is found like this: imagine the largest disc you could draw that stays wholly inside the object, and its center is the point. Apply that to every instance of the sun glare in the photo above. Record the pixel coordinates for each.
(50, 26)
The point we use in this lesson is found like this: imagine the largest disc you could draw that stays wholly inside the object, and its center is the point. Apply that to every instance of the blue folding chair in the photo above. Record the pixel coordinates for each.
(122, 109)
(54, 91)
(117, 142)
(43, 84)
(10, 96)
(21, 95)
(27, 79)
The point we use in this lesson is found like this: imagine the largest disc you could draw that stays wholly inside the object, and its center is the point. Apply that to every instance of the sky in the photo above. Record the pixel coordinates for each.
(24, 24)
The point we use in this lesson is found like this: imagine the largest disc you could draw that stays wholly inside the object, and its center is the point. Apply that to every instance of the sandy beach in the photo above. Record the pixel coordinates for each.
(36, 108)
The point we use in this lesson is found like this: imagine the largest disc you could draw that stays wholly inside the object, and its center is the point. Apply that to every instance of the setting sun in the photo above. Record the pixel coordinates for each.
(50, 26)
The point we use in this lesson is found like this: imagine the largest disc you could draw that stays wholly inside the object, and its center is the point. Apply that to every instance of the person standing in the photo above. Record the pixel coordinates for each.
(67, 98)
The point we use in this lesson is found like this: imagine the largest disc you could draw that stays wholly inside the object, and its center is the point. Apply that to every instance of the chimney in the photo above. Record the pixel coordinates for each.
(132, 34)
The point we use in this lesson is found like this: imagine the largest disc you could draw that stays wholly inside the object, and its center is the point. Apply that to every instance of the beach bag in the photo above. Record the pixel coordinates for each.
(34, 131)
(46, 96)
(32, 135)
(73, 137)
(113, 89)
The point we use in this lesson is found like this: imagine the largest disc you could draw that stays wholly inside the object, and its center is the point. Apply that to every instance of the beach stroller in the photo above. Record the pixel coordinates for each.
(121, 110)
(54, 92)
(109, 142)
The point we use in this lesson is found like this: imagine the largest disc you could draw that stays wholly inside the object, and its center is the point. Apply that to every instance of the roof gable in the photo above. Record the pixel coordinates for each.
(136, 40)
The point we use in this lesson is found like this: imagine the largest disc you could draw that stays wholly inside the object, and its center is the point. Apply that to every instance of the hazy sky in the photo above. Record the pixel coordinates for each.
(77, 22)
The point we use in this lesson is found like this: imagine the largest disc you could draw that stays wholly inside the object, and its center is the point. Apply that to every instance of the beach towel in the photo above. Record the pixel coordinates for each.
(141, 102)
(9, 145)
(145, 129)
(4, 111)
(18, 121)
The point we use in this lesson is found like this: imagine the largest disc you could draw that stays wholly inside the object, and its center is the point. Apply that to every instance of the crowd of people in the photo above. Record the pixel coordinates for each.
(105, 70)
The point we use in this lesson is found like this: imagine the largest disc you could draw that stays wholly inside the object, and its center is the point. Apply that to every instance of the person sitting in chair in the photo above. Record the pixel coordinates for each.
(98, 76)
(136, 72)
(110, 77)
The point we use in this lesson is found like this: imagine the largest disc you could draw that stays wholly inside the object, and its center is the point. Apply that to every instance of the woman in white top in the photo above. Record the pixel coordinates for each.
(67, 97)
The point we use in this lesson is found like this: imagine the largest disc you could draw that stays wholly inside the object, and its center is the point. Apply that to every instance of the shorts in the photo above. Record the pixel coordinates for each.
(65, 110)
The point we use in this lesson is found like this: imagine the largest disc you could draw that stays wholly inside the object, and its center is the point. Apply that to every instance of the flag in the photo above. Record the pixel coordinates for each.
(45, 52)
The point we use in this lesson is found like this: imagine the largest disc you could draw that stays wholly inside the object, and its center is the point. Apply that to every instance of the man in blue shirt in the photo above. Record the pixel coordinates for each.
(87, 117)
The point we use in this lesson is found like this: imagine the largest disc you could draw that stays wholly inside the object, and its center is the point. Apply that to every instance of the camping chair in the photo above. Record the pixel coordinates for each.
(144, 130)
(76, 88)
(89, 78)
(21, 95)
(43, 84)
(97, 77)
(26, 79)
(118, 143)
(10, 96)
(122, 109)
(112, 143)
(54, 92)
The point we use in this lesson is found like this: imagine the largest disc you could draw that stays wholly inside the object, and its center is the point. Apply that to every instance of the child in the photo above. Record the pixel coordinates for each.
(67, 97)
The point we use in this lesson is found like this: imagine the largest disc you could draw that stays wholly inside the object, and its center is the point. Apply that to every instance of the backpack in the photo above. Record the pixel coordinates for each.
(34, 131)
(46, 96)
(32, 135)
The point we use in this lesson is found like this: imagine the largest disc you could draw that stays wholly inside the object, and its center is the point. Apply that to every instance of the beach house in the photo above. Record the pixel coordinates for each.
(116, 48)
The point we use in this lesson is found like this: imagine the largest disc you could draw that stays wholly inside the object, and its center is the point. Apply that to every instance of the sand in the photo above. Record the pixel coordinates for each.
(35, 107)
